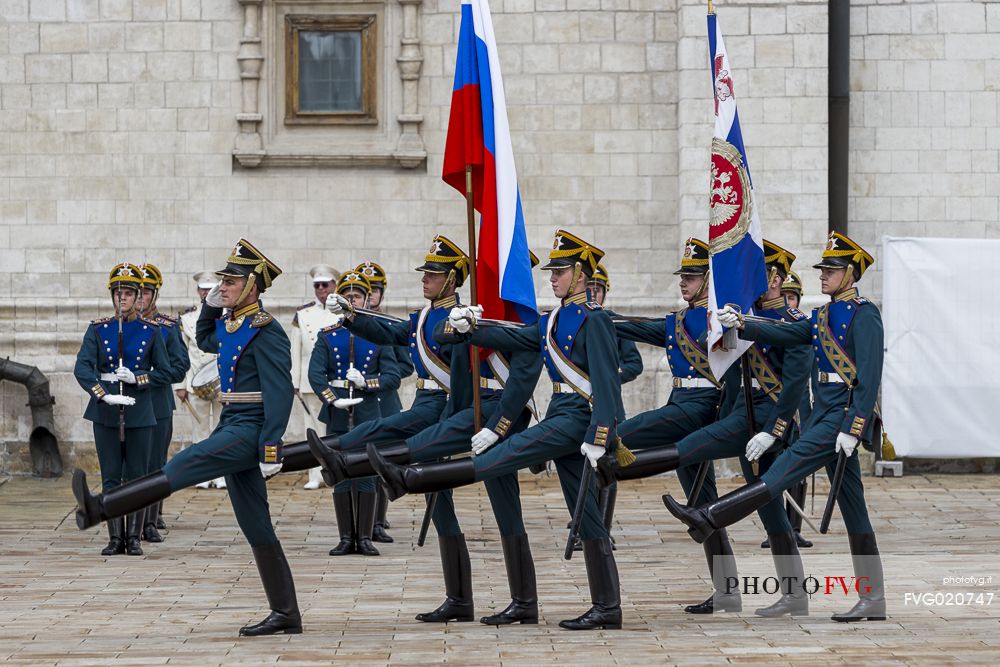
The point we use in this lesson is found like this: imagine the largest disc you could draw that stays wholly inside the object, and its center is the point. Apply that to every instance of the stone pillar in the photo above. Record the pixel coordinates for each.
(249, 149)
(410, 149)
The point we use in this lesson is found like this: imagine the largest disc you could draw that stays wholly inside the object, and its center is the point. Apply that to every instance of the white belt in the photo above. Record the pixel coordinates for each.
(562, 388)
(488, 383)
(428, 383)
(693, 383)
(340, 384)
(108, 377)
(830, 378)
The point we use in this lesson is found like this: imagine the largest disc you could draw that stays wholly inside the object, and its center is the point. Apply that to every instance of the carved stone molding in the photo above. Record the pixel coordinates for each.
(249, 149)
(410, 148)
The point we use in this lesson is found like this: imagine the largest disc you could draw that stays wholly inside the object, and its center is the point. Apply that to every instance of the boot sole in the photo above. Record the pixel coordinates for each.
(82, 495)
(523, 621)
(857, 619)
(285, 631)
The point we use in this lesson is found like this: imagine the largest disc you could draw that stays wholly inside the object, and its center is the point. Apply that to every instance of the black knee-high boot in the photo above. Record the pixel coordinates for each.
(605, 594)
(457, 569)
(868, 572)
(276, 577)
(366, 522)
(523, 607)
(354, 463)
(297, 457)
(119, 501)
(422, 477)
(116, 537)
(381, 522)
(722, 568)
(343, 508)
(788, 567)
(727, 510)
(149, 531)
(133, 525)
(648, 462)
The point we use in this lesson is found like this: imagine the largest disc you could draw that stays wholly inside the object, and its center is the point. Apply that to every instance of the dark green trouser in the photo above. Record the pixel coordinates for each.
(138, 448)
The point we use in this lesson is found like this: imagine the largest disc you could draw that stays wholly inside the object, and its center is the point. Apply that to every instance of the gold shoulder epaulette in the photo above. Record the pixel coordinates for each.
(860, 300)
(165, 320)
(796, 314)
(305, 305)
(103, 320)
(332, 327)
(261, 319)
(152, 322)
(593, 305)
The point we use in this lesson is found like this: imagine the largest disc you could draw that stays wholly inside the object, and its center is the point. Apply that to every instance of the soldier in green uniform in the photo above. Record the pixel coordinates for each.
(120, 359)
(388, 399)
(847, 339)
(348, 373)
(163, 397)
(629, 368)
(578, 347)
(506, 384)
(255, 373)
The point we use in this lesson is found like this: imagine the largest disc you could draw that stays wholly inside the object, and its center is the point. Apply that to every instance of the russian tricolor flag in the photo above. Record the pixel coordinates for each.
(738, 273)
(479, 135)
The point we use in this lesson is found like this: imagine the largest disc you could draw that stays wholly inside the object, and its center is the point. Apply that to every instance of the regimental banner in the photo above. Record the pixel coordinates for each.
(738, 273)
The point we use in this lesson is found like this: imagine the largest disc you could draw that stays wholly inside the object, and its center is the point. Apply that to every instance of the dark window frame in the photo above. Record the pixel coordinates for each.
(367, 25)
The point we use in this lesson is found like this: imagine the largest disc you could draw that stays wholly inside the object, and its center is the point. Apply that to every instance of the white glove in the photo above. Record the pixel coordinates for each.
(462, 318)
(214, 297)
(357, 378)
(759, 444)
(846, 443)
(337, 304)
(593, 453)
(125, 375)
(729, 317)
(269, 470)
(483, 441)
(344, 403)
(118, 399)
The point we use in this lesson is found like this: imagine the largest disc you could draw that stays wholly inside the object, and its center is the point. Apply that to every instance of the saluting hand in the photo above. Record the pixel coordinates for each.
(214, 296)
(759, 444)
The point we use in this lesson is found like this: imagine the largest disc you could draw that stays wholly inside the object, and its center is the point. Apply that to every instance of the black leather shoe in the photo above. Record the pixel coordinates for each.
(801, 542)
(788, 566)
(323, 453)
(345, 547)
(160, 524)
(595, 619)
(132, 546)
(275, 623)
(379, 535)
(88, 506)
(151, 534)
(865, 609)
(766, 544)
(400, 480)
(718, 602)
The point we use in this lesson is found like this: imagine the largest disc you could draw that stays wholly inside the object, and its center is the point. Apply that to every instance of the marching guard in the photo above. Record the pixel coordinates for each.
(163, 397)
(347, 373)
(308, 321)
(388, 399)
(847, 341)
(577, 344)
(120, 359)
(255, 373)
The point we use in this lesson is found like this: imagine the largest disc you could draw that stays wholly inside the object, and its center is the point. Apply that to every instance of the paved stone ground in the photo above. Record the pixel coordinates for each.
(61, 603)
